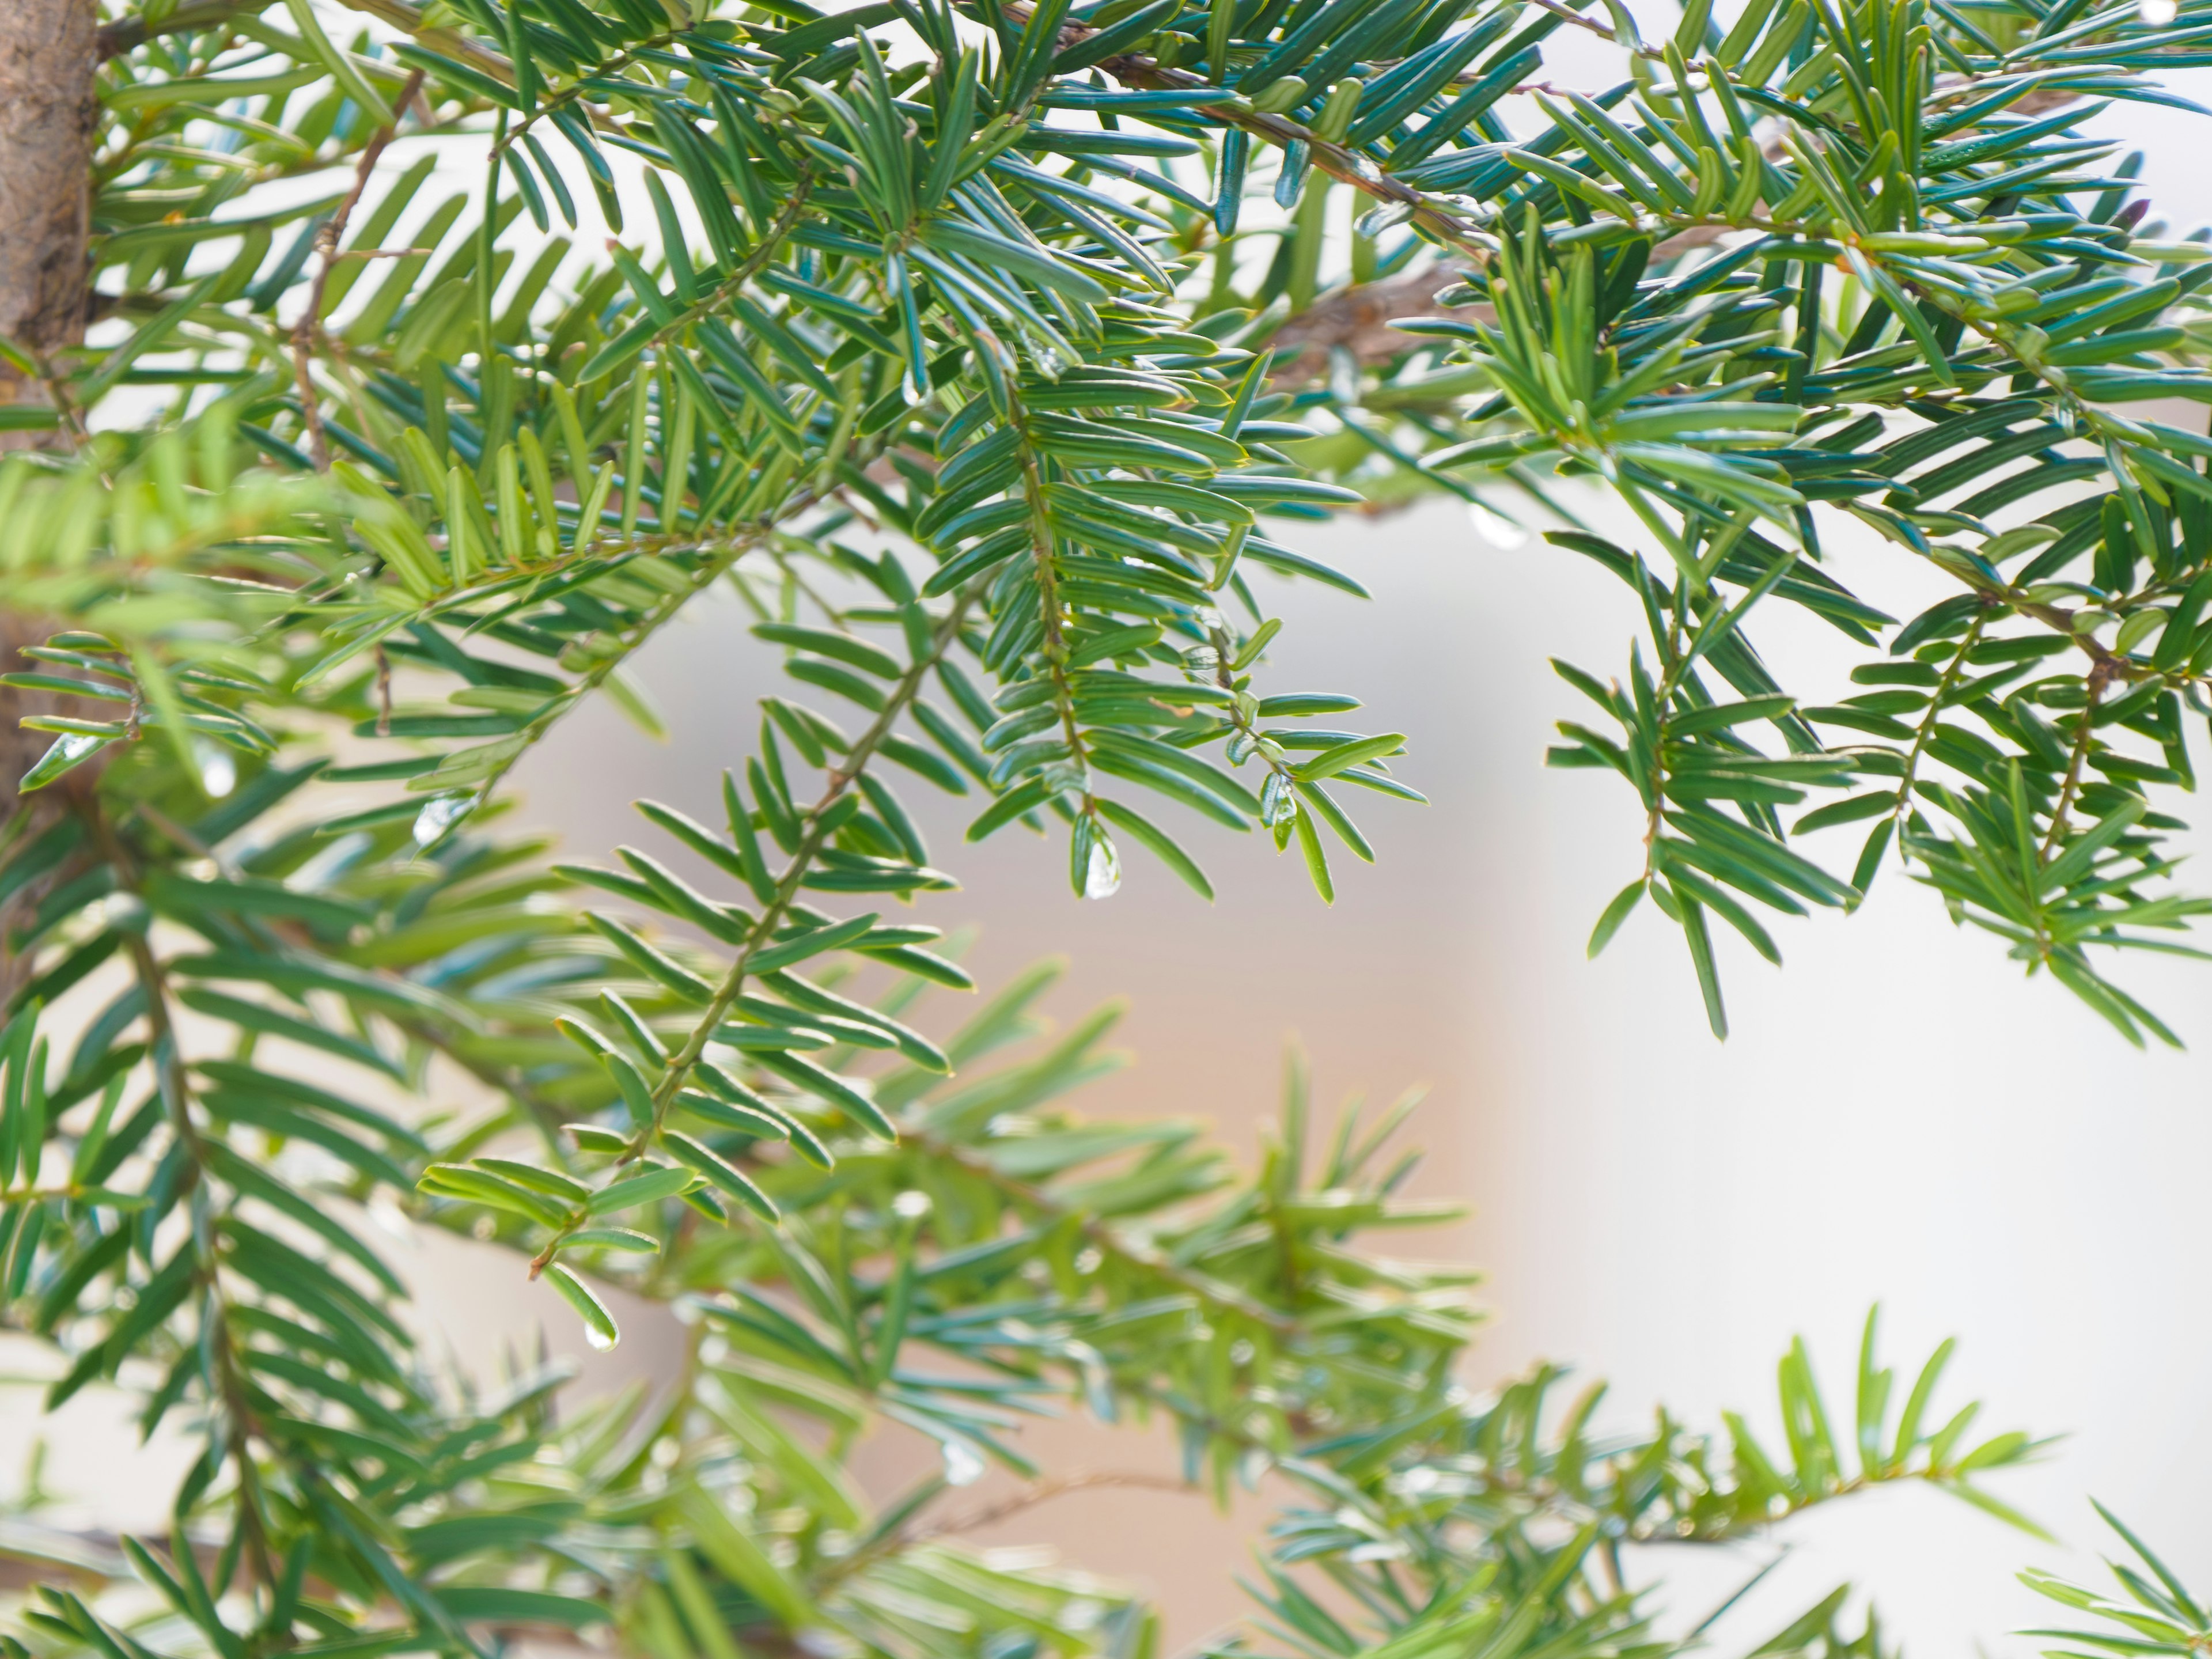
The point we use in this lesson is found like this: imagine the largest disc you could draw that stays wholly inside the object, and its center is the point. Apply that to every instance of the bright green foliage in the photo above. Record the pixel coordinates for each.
(993, 295)
(1922, 334)
(424, 480)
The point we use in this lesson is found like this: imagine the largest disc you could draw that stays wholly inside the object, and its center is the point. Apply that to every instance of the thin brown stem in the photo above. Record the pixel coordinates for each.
(1044, 1491)
(1105, 1237)
(1603, 31)
(1042, 538)
(127, 33)
(815, 836)
(611, 69)
(1345, 165)
(65, 406)
(1951, 673)
(2099, 676)
(601, 671)
(175, 1088)
(772, 239)
(304, 332)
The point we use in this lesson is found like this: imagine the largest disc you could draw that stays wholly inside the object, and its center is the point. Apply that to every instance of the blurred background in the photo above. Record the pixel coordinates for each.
(1897, 1118)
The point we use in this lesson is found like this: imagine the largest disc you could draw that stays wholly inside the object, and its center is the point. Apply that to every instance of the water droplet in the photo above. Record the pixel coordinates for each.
(1240, 748)
(910, 1205)
(2157, 12)
(961, 1466)
(1277, 803)
(1051, 362)
(438, 816)
(1505, 536)
(218, 772)
(1102, 877)
(602, 1341)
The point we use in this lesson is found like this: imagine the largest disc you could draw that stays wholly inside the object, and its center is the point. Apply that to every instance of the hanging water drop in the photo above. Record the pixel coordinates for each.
(438, 816)
(961, 1466)
(1102, 877)
(1506, 536)
(218, 772)
(73, 746)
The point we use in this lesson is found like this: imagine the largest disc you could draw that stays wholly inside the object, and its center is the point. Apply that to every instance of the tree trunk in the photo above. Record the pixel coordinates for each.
(49, 114)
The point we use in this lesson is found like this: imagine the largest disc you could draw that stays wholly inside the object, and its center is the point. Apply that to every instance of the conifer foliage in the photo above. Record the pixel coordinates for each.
(943, 333)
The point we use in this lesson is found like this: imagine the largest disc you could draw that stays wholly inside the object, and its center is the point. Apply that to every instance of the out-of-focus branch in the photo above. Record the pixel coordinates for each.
(126, 33)
(1358, 320)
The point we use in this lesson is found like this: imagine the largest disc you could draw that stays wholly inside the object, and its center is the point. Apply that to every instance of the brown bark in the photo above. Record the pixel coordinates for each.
(1358, 319)
(48, 116)
(49, 113)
